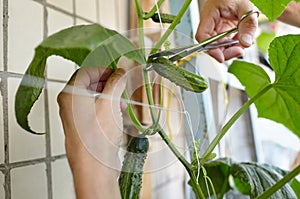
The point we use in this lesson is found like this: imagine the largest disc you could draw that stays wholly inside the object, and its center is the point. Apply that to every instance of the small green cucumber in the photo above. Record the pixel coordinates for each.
(179, 75)
(130, 180)
(165, 18)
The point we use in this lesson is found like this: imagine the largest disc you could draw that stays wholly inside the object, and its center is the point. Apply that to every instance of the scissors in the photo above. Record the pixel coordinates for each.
(176, 54)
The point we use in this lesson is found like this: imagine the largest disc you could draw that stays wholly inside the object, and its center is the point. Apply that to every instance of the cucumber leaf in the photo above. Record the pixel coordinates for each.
(271, 8)
(250, 179)
(263, 41)
(281, 103)
(74, 43)
(253, 179)
(218, 171)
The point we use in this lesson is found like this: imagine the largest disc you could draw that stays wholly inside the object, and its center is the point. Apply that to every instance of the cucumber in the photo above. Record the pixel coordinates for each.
(183, 78)
(165, 18)
(130, 180)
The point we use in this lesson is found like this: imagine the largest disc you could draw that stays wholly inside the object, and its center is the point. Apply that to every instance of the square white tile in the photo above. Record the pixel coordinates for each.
(108, 14)
(59, 68)
(29, 182)
(2, 192)
(58, 21)
(81, 22)
(1, 132)
(1, 36)
(65, 5)
(87, 9)
(57, 133)
(62, 180)
(25, 30)
(24, 145)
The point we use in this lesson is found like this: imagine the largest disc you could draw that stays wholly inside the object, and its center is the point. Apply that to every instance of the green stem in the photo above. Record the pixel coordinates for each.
(148, 87)
(271, 190)
(160, 102)
(149, 95)
(132, 115)
(139, 12)
(232, 120)
(153, 10)
(171, 27)
(185, 163)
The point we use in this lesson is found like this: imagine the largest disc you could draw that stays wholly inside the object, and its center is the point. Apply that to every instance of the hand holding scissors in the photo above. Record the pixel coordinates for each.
(176, 54)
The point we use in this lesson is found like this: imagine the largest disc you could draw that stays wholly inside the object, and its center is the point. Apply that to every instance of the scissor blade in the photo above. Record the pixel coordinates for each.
(201, 48)
(170, 52)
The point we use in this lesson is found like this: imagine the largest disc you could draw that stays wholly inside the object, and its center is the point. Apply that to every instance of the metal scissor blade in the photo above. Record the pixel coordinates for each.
(201, 48)
(170, 52)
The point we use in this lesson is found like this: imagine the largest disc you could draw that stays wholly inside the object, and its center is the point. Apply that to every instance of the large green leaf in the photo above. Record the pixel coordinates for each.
(263, 41)
(271, 8)
(75, 44)
(218, 171)
(253, 179)
(281, 103)
(248, 178)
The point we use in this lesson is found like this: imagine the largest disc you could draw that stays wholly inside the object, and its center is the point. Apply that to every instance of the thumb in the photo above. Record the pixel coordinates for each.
(115, 84)
(247, 29)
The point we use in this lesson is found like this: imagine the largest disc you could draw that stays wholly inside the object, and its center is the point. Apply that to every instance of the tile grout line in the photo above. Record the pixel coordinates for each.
(4, 92)
(23, 163)
(48, 5)
(97, 11)
(46, 115)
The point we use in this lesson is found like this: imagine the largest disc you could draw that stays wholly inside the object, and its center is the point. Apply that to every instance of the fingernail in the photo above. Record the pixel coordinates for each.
(247, 39)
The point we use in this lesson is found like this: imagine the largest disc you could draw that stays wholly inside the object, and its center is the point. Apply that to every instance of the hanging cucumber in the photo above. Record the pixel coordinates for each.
(130, 180)
(165, 18)
(178, 75)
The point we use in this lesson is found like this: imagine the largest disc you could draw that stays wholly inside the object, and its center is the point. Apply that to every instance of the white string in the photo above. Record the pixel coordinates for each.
(84, 92)
(189, 121)
(159, 17)
(196, 151)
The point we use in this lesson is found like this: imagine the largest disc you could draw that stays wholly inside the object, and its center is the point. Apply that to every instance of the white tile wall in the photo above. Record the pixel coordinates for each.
(1, 133)
(1, 37)
(108, 14)
(28, 22)
(2, 185)
(23, 145)
(87, 9)
(62, 180)
(25, 33)
(57, 134)
(58, 21)
(29, 182)
(65, 4)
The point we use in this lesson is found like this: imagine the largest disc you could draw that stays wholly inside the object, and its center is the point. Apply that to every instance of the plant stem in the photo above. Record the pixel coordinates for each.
(232, 120)
(271, 190)
(148, 87)
(171, 27)
(185, 163)
(149, 95)
(132, 115)
(153, 10)
(139, 12)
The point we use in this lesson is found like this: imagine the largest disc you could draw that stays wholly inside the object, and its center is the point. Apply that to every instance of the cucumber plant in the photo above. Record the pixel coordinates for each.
(95, 45)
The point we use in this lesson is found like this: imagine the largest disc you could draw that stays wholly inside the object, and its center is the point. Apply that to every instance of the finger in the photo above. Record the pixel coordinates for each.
(248, 26)
(115, 84)
(209, 15)
(234, 51)
(87, 76)
(217, 54)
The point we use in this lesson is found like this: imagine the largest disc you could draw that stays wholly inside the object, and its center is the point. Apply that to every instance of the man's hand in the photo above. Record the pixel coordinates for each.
(93, 129)
(218, 16)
